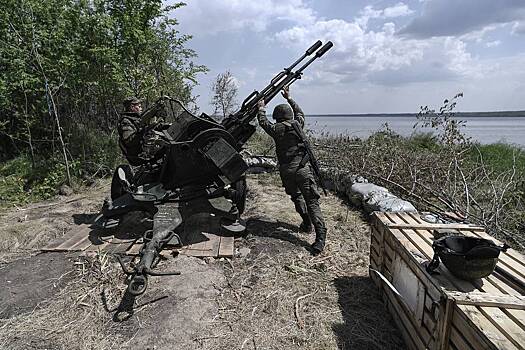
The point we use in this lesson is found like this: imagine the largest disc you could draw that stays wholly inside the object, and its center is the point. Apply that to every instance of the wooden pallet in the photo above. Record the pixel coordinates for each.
(441, 311)
(84, 239)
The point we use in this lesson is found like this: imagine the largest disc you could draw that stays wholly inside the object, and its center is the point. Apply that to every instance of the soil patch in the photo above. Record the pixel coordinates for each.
(27, 282)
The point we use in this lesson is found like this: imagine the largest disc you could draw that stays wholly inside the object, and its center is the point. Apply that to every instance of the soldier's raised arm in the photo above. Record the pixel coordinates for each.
(263, 121)
(297, 111)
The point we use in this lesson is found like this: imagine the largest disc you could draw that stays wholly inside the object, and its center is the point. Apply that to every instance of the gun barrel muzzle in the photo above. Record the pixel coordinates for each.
(314, 47)
(325, 48)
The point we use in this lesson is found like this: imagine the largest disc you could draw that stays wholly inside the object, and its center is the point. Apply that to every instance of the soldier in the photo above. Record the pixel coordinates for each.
(139, 141)
(131, 131)
(296, 177)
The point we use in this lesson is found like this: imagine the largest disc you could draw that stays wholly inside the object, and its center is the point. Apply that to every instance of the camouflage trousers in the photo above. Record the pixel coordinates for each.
(300, 185)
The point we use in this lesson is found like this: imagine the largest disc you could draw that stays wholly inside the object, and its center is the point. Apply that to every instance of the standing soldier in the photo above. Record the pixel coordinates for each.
(296, 176)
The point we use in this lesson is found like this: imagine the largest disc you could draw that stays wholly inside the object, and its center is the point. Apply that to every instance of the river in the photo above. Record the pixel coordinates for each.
(483, 129)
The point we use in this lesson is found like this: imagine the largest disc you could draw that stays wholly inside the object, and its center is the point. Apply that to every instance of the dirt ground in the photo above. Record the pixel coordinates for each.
(272, 295)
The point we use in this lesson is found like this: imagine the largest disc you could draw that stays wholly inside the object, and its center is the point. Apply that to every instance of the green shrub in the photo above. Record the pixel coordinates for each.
(424, 140)
(499, 156)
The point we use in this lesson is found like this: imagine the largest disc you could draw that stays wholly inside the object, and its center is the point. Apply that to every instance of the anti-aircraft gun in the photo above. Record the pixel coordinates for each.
(198, 170)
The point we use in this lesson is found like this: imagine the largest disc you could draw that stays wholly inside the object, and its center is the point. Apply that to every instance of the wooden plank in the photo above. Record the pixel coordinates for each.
(511, 253)
(420, 340)
(403, 246)
(457, 339)
(374, 258)
(495, 316)
(485, 299)
(400, 325)
(35, 238)
(429, 325)
(118, 245)
(83, 244)
(444, 323)
(469, 329)
(134, 249)
(427, 237)
(53, 244)
(69, 240)
(99, 247)
(495, 284)
(425, 226)
(208, 247)
(226, 248)
(216, 243)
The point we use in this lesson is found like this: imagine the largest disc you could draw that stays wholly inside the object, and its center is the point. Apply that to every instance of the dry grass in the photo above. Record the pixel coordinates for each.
(276, 295)
(76, 317)
(280, 297)
(25, 230)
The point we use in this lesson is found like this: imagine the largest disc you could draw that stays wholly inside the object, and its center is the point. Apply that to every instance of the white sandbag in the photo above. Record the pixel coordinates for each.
(393, 204)
(360, 192)
(377, 198)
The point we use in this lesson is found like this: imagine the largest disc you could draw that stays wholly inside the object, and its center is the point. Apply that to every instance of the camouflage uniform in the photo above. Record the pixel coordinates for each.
(131, 136)
(298, 181)
(138, 143)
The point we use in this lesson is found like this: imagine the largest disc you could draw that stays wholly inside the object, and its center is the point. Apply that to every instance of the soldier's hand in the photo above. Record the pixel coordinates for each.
(261, 104)
(286, 92)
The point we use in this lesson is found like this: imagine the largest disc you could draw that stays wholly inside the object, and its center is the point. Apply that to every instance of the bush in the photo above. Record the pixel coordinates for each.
(20, 183)
(499, 156)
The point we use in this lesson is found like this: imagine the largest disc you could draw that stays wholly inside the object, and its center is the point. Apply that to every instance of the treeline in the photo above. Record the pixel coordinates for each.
(66, 66)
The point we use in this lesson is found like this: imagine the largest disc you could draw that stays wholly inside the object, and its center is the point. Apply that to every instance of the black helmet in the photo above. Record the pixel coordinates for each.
(468, 258)
(282, 112)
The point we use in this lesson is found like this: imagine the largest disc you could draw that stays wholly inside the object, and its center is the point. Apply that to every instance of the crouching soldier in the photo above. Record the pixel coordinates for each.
(296, 175)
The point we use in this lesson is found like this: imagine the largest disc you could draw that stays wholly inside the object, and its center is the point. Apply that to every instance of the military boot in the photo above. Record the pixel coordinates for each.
(318, 246)
(306, 225)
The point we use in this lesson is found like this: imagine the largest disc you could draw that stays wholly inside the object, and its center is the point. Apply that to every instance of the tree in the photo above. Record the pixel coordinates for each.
(224, 90)
(66, 65)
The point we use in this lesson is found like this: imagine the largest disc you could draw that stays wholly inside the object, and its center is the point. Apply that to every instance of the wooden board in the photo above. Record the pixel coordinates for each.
(456, 314)
(83, 239)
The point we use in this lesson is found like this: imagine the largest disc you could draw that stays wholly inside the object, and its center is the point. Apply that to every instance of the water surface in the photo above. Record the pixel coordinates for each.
(484, 129)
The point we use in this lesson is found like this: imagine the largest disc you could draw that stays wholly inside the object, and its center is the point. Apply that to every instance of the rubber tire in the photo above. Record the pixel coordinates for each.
(239, 197)
(117, 190)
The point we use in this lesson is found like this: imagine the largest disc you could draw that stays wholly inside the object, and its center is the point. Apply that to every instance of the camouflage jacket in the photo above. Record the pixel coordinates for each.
(288, 146)
(131, 134)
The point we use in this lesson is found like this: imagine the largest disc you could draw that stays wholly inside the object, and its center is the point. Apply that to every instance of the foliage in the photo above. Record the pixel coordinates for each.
(261, 144)
(441, 173)
(224, 98)
(20, 183)
(447, 127)
(66, 65)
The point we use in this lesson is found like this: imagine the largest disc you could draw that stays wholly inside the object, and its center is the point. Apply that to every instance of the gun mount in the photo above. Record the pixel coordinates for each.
(196, 162)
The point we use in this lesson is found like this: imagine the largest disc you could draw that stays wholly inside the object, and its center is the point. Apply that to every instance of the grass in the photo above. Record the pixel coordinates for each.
(499, 157)
(91, 156)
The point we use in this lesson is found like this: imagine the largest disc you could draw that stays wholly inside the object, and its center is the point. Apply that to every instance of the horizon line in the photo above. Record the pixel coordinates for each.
(413, 113)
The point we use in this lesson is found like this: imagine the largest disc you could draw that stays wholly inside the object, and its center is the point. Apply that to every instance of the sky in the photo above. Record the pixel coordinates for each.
(388, 56)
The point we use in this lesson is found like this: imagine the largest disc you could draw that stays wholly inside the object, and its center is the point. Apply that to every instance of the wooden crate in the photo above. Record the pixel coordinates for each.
(440, 311)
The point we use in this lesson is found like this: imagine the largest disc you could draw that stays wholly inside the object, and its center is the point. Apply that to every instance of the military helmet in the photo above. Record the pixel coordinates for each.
(129, 101)
(282, 112)
(467, 258)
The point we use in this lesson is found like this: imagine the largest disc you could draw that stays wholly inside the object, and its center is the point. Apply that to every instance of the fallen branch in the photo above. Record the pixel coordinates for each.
(300, 322)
